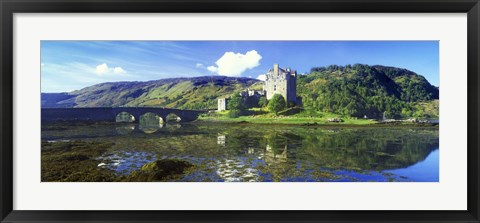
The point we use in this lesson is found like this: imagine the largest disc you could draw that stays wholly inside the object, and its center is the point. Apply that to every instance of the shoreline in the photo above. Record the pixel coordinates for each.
(348, 123)
(316, 124)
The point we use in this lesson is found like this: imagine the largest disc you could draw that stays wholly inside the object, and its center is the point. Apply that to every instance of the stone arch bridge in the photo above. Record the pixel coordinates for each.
(110, 113)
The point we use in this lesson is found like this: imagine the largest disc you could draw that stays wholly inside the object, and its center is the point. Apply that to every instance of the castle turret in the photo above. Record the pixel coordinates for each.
(275, 69)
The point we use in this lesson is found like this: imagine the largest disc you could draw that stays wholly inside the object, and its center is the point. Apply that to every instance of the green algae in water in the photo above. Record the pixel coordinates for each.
(239, 153)
(160, 170)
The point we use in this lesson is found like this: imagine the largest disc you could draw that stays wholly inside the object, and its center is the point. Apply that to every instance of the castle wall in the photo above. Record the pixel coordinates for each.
(276, 84)
(292, 89)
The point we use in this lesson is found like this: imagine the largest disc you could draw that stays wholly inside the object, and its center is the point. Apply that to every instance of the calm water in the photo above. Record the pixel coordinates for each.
(247, 152)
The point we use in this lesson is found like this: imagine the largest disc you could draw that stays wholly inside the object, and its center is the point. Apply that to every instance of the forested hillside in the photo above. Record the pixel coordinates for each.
(362, 90)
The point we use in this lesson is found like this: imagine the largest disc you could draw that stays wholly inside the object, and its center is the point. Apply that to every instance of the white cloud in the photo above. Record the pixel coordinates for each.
(234, 64)
(199, 65)
(262, 77)
(104, 69)
(119, 70)
(101, 69)
(42, 64)
(212, 69)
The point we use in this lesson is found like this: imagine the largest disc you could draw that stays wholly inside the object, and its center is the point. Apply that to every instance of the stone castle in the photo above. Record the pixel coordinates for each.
(277, 81)
(281, 81)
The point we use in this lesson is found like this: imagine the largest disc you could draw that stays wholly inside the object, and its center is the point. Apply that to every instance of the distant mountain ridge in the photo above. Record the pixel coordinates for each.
(185, 93)
(358, 90)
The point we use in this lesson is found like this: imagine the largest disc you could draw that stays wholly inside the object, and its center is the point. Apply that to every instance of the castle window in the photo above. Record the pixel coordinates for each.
(274, 87)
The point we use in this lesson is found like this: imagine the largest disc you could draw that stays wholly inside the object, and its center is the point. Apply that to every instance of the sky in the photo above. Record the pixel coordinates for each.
(72, 65)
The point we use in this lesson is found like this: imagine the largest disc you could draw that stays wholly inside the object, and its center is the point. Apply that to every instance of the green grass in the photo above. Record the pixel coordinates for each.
(260, 116)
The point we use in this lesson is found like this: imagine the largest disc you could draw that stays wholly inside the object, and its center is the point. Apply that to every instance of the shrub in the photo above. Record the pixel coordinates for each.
(234, 113)
(276, 104)
(236, 103)
(262, 102)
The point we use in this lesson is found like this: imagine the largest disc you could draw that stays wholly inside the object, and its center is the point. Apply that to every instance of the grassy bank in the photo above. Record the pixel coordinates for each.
(259, 116)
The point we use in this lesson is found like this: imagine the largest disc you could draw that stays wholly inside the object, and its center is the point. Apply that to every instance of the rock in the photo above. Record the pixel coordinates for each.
(391, 121)
(160, 170)
(411, 120)
(414, 120)
(335, 120)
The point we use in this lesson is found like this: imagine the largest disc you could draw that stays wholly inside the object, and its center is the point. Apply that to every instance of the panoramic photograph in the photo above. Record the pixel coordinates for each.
(239, 111)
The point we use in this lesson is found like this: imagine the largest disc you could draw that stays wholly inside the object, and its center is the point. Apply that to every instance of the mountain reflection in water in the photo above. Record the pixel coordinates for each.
(253, 153)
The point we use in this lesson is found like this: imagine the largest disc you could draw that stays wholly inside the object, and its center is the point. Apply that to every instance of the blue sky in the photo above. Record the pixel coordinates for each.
(72, 65)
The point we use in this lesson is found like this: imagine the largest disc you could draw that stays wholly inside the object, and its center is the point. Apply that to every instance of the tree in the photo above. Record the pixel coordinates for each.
(236, 103)
(262, 102)
(277, 103)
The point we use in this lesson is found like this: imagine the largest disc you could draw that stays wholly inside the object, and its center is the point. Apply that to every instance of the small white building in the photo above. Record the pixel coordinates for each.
(222, 104)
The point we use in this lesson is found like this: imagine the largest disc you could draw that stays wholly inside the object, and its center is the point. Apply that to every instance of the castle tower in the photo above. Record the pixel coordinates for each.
(281, 81)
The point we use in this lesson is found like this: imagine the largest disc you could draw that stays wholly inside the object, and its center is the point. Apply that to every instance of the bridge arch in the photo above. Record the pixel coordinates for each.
(173, 117)
(150, 118)
(124, 117)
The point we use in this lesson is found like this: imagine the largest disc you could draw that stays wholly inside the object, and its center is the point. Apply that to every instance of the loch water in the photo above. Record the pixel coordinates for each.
(265, 153)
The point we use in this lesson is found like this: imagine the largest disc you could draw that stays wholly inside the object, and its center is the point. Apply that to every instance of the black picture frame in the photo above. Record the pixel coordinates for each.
(9, 7)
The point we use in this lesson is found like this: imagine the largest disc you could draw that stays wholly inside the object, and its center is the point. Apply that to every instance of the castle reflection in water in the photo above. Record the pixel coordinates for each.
(243, 153)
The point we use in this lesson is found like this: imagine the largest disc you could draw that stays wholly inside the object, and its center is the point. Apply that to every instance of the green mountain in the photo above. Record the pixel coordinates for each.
(185, 93)
(355, 90)
(362, 90)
